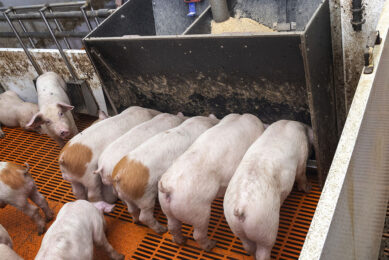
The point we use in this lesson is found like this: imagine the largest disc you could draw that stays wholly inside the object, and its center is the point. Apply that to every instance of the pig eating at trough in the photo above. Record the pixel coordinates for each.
(202, 173)
(263, 180)
(136, 176)
(54, 108)
(78, 159)
(78, 226)
(16, 185)
(15, 112)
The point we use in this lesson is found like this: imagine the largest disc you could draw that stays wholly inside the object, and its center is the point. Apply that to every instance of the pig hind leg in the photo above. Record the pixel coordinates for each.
(133, 210)
(147, 217)
(248, 245)
(39, 200)
(94, 188)
(33, 212)
(79, 191)
(101, 240)
(200, 226)
(1, 132)
(262, 252)
(301, 178)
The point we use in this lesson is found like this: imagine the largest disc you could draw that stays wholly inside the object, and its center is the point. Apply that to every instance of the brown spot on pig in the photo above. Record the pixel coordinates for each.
(131, 176)
(13, 175)
(75, 157)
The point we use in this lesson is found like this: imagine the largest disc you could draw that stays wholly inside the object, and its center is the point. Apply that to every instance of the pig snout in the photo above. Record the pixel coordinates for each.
(64, 133)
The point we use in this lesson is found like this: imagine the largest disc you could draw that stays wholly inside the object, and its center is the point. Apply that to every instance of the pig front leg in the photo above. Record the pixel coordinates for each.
(39, 200)
(1, 132)
(33, 212)
(79, 191)
(101, 240)
(109, 194)
(94, 188)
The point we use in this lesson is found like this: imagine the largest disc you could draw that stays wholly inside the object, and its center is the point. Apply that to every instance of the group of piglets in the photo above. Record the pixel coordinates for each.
(141, 154)
(52, 115)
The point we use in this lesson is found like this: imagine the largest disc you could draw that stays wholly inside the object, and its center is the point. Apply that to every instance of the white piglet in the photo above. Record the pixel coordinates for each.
(4, 237)
(78, 226)
(15, 112)
(203, 172)
(6, 251)
(132, 139)
(262, 182)
(54, 108)
(136, 176)
(78, 159)
(16, 186)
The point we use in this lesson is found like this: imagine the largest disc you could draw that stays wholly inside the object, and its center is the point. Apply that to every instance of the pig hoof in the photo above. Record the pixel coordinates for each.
(179, 240)
(308, 188)
(210, 245)
(49, 217)
(161, 230)
(41, 230)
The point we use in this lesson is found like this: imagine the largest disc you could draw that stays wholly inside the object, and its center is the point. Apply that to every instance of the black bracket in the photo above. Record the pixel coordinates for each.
(357, 11)
(373, 39)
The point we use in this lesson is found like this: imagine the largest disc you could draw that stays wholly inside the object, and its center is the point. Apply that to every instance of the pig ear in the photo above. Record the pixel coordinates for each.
(65, 107)
(36, 121)
(212, 116)
(102, 115)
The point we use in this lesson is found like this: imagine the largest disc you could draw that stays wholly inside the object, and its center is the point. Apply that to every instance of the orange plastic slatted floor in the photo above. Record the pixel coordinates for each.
(137, 241)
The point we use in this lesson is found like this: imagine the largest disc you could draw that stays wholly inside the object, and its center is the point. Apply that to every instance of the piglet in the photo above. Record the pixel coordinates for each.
(78, 226)
(263, 180)
(15, 112)
(132, 139)
(4, 237)
(6, 251)
(203, 172)
(54, 108)
(136, 176)
(16, 186)
(78, 159)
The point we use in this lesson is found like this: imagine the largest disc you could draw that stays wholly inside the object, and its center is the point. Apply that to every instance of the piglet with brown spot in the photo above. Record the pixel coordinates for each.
(54, 108)
(15, 112)
(131, 140)
(16, 186)
(78, 226)
(78, 159)
(263, 180)
(136, 175)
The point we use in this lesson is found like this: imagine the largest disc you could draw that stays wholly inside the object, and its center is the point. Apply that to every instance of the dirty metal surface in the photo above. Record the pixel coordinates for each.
(17, 73)
(316, 49)
(236, 75)
(138, 241)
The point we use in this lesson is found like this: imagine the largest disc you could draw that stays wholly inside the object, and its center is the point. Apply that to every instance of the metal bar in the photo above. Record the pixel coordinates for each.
(103, 13)
(33, 62)
(45, 35)
(96, 20)
(25, 7)
(59, 28)
(82, 8)
(68, 65)
(25, 30)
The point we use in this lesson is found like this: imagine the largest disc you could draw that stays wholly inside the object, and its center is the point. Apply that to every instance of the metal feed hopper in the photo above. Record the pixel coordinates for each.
(150, 53)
